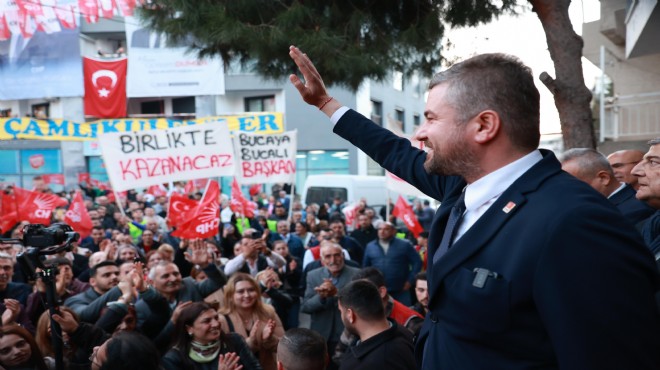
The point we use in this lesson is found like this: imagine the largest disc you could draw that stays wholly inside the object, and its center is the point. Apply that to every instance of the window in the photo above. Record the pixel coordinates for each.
(19, 167)
(183, 105)
(377, 112)
(400, 116)
(416, 122)
(260, 104)
(318, 162)
(152, 107)
(96, 169)
(41, 111)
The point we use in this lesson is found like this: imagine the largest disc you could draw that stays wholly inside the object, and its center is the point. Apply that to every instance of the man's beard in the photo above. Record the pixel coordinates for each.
(456, 159)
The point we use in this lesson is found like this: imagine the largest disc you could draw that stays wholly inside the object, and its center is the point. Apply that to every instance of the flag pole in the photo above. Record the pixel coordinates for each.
(121, 209)
(208, 183)
(387, 206)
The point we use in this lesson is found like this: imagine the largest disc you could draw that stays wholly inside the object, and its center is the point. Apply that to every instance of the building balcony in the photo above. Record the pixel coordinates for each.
(631, 117)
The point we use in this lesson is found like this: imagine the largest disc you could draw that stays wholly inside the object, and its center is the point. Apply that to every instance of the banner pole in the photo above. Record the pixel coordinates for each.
(387, 207)
(208, 183)
(121, 209)
(293, 191)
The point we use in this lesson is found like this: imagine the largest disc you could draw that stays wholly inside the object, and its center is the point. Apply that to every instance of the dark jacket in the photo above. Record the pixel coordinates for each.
(175, 360)
(391, 349)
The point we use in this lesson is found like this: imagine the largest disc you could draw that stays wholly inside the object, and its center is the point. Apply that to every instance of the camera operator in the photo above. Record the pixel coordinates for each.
(255, 255)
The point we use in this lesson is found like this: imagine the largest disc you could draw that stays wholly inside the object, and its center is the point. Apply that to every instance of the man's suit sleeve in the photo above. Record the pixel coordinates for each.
(392, 152)
(92, 311)
(215, 280)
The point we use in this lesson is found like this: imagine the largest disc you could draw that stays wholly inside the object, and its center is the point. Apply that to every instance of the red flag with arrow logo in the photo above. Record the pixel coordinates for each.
(404, 211)
(203, 221)
(36, 207)
(78, 218)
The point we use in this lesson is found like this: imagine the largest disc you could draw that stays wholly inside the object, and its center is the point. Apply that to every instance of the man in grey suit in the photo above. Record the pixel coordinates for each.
(321, 293)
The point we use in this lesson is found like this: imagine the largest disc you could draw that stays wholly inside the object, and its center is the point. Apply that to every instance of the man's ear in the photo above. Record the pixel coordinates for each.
(486, 125)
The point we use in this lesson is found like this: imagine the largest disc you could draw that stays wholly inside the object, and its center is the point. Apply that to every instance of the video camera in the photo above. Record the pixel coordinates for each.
(39, 236)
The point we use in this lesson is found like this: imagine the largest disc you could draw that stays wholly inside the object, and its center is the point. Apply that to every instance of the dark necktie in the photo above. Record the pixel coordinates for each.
(455, 218)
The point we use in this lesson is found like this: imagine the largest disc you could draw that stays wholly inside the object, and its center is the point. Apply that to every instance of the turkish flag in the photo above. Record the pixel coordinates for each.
(8, 212)
(404, 211)
(105, 88)
(239, 203)
(36, 207)
(157, 190)
(5, 32)
(67, 16)
(78, 218)
(180, 207)
(89, 9)
(204, 220)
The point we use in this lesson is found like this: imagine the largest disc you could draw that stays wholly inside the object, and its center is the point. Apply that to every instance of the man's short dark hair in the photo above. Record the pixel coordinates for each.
(363, 298)
(97, 228)
(371, 274)
(420, 276)
(94, 269)
(655, 141)
(302, 349)
(501, 83)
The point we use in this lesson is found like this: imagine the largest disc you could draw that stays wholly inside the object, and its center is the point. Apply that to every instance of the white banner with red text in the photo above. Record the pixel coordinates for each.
(263, 159)
(144, 158)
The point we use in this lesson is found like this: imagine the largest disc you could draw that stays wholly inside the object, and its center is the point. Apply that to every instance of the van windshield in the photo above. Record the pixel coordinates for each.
(320, 195)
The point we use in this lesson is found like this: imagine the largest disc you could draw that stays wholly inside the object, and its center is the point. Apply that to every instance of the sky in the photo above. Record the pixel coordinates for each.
(523, 37)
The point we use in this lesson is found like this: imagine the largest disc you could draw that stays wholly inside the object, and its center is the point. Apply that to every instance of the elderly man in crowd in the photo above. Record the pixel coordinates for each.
(622, 163)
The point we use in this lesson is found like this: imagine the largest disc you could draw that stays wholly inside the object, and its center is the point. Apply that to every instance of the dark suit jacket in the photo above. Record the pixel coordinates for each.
(566, 262)
(295, 244)
(632, 208)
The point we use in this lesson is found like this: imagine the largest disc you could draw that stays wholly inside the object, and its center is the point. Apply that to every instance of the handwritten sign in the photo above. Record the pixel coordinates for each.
(144, 158)
(265, 158)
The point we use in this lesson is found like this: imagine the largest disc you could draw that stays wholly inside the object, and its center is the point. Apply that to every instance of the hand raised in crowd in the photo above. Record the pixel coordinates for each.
(268, 329)
(178, 309)
(199, 254)
(12, 310)
(249, 248)
(137, 277)
(109, 247)
(229, 361)
(326, 289)
(127, 288)
(67, 322)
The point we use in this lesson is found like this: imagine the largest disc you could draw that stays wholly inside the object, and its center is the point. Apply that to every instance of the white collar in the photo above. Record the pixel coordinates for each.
(496, 182)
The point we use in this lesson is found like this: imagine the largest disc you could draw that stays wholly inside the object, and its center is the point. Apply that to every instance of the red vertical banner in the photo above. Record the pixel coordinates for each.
(5, 32)
(125, 7)
(8, 212)
(67, 16)
(105, 88)
(107, 8)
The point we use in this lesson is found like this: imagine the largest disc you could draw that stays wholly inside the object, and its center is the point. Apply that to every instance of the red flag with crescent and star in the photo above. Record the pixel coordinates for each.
(105, 87)
(204, 220)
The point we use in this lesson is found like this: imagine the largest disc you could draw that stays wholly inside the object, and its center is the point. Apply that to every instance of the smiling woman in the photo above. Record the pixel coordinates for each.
(199, 344)
(245, 314)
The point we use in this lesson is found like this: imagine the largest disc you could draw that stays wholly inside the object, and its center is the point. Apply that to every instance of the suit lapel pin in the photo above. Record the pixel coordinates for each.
(509, 206)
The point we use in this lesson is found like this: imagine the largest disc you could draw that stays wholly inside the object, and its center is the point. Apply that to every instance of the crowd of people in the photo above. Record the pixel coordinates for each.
(222, 302)
(522, 266)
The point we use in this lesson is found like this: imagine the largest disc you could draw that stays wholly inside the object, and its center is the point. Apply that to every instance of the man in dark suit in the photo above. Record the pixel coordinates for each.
(593, 168)
(533, 264)
(295, 244)
(320, 299)
(647, 173)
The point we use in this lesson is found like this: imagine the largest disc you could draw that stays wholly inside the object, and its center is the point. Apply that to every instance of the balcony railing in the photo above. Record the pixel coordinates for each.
(631, 117)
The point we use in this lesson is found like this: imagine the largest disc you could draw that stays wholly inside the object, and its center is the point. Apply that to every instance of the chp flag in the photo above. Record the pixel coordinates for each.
(204, 220)
(265, 158)
(404, 211)
(105, 87)
(144, 158)
(35, 207)
(78, 218)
